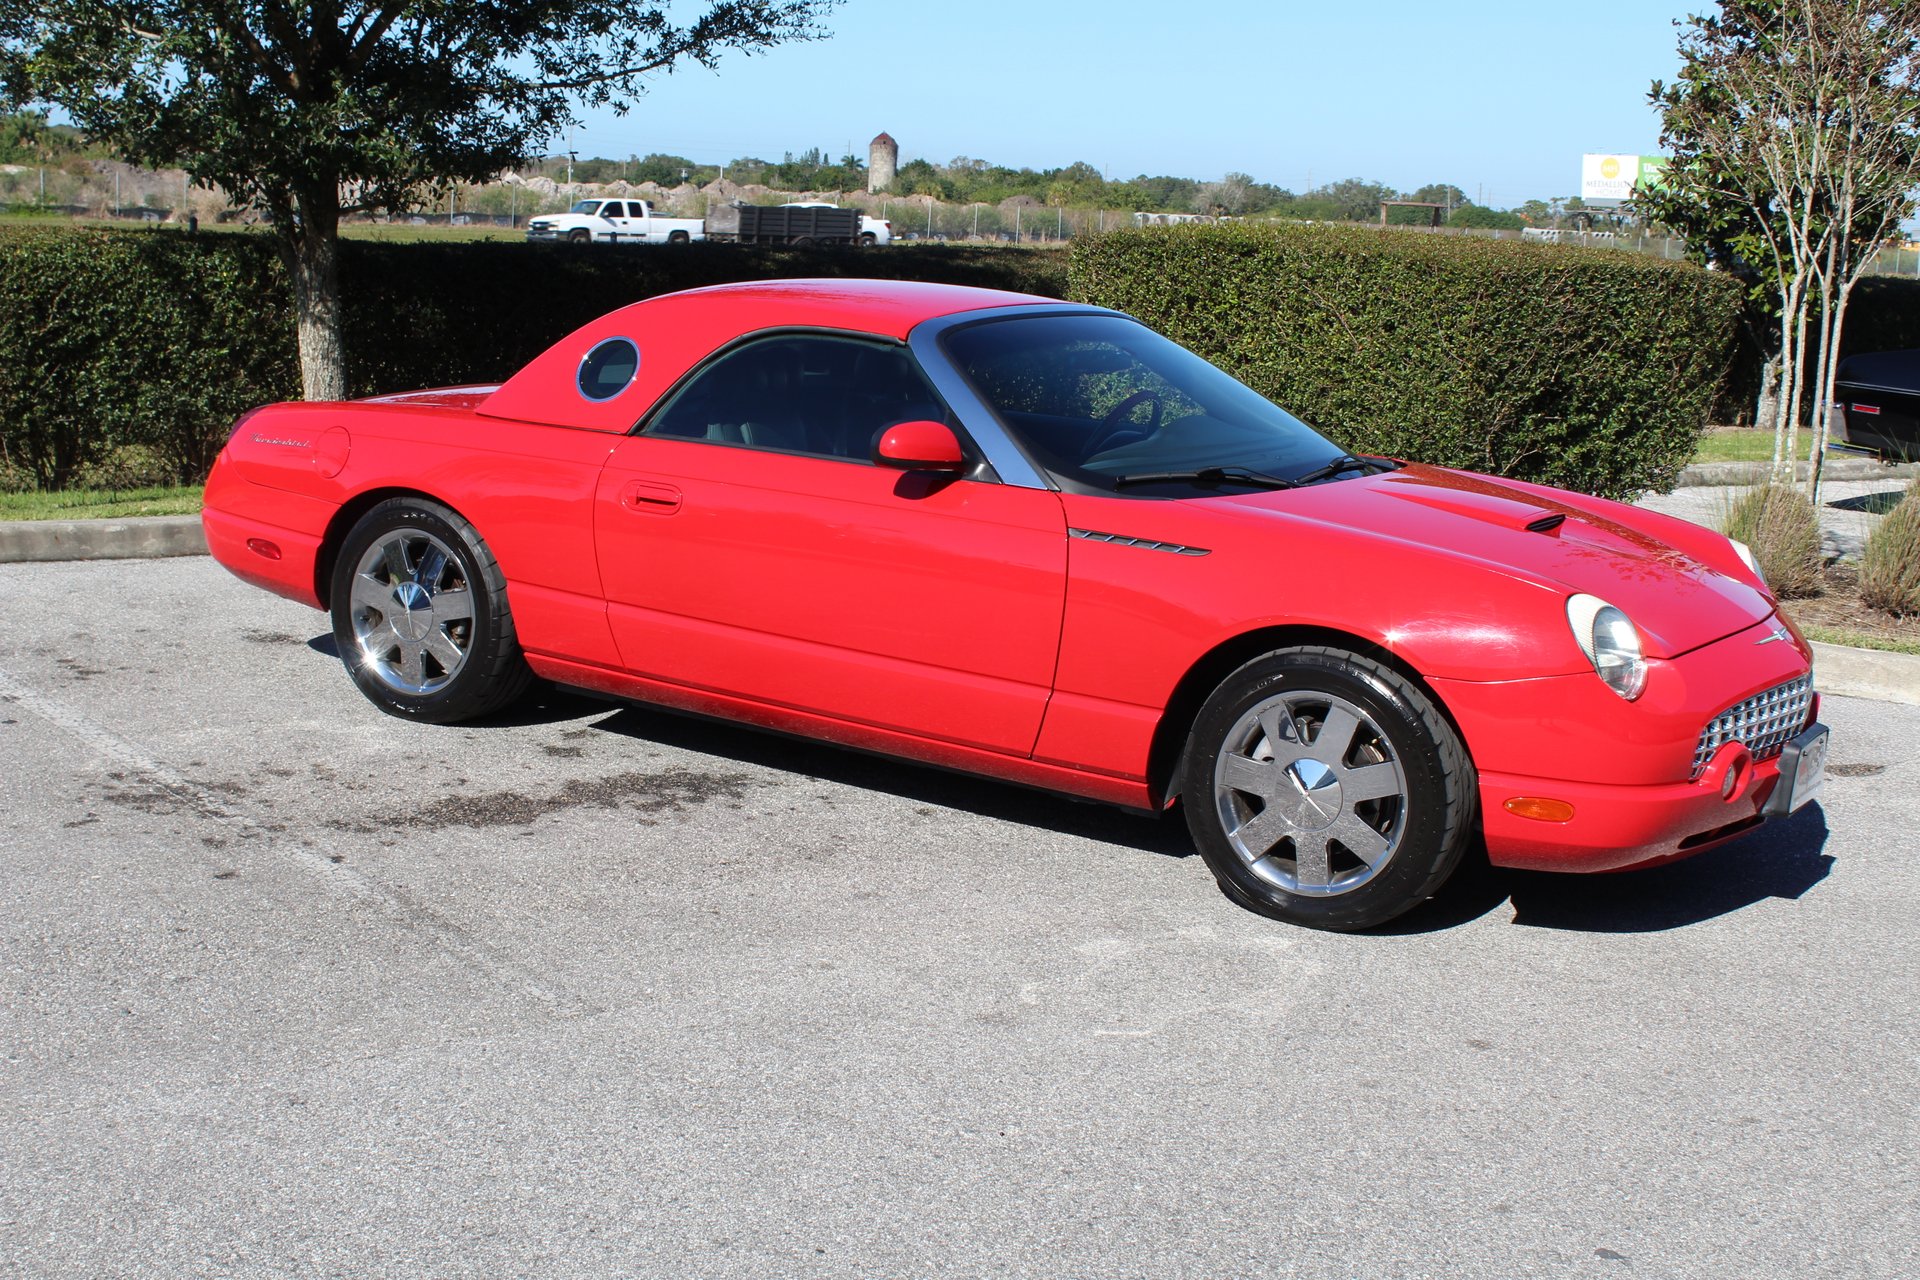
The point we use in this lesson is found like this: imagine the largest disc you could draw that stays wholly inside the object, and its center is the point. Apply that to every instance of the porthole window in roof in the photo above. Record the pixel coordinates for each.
(609, 369)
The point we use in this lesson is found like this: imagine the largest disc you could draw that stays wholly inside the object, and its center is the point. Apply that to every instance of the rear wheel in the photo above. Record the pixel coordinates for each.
(420, 615)
(1326, 789)
(678, 237)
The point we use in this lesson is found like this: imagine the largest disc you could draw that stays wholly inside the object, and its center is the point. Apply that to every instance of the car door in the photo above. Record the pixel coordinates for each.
(749, 546)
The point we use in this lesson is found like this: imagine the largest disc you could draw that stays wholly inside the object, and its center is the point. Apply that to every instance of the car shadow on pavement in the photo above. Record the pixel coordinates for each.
(1784, 859)
(924, 784)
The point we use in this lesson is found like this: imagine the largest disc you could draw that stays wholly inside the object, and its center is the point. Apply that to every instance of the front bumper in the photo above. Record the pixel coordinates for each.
(1618, 828)
(1626, 770)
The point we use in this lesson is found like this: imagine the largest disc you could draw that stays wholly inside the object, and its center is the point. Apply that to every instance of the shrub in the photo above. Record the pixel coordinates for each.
(1592, 369)
(111, 339)
(1890, 564)
(420, 315)
(1780, 526)
(153, 341)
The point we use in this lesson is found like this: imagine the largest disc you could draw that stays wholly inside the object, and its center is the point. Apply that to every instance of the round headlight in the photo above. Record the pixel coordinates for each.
(1607, 637)
(1747, 558)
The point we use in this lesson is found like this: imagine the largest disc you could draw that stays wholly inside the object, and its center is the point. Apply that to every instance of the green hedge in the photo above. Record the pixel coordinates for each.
(155, 341)
(1591, 369)
(110, 340)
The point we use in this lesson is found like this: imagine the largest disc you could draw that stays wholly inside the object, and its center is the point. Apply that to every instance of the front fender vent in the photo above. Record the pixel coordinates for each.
(1145, 544)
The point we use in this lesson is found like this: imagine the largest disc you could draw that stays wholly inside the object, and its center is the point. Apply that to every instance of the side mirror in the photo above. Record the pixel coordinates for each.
(920, 446)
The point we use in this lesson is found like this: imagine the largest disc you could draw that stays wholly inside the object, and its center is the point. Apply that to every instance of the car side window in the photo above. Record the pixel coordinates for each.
(802, 393)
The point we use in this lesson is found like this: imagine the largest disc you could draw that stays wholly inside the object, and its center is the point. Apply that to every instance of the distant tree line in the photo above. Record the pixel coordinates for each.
(967, 180)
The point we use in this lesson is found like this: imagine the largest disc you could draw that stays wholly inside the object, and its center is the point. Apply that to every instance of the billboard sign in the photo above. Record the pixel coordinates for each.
(1613, 177)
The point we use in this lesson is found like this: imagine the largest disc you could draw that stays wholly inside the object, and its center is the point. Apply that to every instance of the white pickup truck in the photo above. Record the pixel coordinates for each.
(614, 222)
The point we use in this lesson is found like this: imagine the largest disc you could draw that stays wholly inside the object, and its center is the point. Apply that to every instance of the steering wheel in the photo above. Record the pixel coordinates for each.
(1112, 425)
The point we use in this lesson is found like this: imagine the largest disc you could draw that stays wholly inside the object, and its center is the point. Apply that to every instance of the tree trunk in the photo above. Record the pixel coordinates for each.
(314, 263)
(1830, 403)
(1766, 410)
(1823, 370)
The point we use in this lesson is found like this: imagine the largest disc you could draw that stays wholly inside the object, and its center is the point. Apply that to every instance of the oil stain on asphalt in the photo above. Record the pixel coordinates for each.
(671, 792)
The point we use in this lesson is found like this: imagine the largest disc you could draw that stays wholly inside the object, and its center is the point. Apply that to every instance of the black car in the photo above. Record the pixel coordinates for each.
(1880, 392)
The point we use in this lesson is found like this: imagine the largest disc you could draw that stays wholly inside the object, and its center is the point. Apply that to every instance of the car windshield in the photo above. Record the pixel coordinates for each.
(1105, 403)
(585, 206)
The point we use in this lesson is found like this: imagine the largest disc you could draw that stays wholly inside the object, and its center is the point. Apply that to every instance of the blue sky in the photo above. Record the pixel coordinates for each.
(1500, 99)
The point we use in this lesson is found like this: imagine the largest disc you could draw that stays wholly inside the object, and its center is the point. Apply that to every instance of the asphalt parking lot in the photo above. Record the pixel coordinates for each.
(294, 988)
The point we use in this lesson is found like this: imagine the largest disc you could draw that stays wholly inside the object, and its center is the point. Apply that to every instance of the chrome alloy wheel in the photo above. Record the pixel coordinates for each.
(1310, 794)
(412, 612)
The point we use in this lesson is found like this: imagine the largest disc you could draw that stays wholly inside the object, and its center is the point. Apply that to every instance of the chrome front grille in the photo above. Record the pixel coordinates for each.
(1764, 722)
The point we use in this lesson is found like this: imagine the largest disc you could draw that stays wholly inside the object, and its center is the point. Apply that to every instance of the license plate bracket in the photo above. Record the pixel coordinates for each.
(1803, 769)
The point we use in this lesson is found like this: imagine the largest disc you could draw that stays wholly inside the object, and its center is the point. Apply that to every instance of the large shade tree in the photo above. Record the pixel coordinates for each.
(1795, 131)
(312, 109)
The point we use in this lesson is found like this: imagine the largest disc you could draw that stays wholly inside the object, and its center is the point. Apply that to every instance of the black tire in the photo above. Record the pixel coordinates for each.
(868, 240)
(420, 615)
(1378, 855)
(679, 237)
(580, 235)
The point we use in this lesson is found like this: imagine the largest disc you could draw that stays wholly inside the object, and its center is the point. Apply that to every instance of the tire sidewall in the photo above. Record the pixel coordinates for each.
(1425, 843)
(466, 688)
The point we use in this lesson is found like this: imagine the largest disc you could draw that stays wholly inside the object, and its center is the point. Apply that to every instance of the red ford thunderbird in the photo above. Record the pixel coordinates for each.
(1041, 542)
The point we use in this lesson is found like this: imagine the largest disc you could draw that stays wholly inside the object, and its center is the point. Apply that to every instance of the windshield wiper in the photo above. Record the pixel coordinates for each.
(1346, 462)
(1207, 475)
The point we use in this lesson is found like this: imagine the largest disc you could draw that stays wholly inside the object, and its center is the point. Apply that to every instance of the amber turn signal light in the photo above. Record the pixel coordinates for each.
(1539, 809)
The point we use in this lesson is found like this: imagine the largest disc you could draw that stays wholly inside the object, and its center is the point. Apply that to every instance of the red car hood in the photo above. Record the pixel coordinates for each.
(1674, 579)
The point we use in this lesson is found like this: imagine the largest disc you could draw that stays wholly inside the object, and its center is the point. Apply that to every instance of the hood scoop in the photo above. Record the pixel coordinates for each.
(1490, 508)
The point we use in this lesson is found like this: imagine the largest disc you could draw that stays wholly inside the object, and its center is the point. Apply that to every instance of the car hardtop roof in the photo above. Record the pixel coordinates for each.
(675, 331)
(890, 307)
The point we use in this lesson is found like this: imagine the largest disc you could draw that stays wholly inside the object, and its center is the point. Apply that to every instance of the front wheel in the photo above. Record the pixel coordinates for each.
(1326, 789)
(420, 615)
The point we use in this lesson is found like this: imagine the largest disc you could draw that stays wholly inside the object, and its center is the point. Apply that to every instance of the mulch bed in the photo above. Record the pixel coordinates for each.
(1839, 606)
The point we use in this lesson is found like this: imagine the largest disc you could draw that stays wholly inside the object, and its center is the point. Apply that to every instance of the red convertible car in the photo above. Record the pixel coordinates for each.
(1041, 542)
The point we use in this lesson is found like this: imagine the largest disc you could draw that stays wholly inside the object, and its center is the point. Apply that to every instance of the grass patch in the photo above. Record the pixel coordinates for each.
(1858, 639)
(101, 504)
(407, 233)
(1744, 444)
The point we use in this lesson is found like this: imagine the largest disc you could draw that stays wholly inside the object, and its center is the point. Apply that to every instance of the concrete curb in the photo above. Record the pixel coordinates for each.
(1866, 673)
(135, 538)
(1725, 473)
